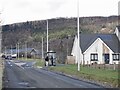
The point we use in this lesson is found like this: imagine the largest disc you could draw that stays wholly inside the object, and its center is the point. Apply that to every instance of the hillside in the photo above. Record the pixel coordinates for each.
(59, 30)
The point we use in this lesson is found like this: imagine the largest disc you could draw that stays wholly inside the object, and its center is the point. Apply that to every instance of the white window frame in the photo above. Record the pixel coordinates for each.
(94, 57)
(116, 56)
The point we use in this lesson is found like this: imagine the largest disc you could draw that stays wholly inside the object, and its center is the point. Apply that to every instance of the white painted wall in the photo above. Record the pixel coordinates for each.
(97, 47)
(76, 51)
(116, 62)
(111, 58)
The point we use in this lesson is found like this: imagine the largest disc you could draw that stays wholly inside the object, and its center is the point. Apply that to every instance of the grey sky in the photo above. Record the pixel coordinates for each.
(26, 10)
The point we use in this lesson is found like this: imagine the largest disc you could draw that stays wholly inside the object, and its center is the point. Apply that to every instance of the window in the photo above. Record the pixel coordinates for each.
(94, 57)
(116, 57)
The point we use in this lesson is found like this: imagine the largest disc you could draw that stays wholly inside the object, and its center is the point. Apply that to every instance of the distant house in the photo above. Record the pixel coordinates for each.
(35, 53)
(30, 51)
(98, 48)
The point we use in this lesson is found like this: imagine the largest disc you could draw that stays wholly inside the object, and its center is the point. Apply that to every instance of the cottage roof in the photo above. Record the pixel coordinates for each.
(110, 40)
(118, 28)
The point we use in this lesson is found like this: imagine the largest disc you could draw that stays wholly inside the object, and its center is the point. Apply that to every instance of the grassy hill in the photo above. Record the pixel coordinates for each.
(59, 30)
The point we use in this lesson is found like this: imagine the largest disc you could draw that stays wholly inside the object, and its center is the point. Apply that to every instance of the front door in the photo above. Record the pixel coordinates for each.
(106, 58)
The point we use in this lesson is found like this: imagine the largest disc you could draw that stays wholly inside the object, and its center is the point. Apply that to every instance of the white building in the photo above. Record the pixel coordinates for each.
(98, 48)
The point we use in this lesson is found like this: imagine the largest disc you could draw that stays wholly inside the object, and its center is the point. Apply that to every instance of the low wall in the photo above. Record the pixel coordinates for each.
(105, 66)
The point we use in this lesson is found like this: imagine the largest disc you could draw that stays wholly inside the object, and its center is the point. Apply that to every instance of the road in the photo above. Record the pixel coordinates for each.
(16, 76)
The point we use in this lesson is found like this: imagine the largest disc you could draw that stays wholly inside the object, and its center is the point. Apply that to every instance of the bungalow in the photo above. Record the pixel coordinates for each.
(30, 51)
(98, 48)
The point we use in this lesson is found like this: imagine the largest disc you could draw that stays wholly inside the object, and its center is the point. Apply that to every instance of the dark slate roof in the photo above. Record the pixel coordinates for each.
(118, 28)
(110, 40)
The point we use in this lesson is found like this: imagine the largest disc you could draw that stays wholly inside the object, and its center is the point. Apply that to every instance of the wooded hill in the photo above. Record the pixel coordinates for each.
(59, 30)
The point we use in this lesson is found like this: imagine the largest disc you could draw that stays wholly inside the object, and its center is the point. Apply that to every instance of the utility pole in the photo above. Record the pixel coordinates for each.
(26, 50)
(78, 30)
(42, 49)
(18, 51)
(11, 50)
(5, 52)
(47, 35)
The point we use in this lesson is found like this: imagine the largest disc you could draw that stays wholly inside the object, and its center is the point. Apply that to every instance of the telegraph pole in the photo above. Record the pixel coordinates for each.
(42, 49)
(78, 30)
(26, 50)
(11, 50)
(47, 35)
(18, 51)
(5, 51)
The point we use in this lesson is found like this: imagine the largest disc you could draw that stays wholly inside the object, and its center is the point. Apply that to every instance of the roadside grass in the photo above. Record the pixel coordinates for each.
(100, 75)
(39, 62)
(28, 59)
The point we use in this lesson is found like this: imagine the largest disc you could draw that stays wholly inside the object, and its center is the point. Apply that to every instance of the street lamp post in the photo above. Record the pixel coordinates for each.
(78, 33)
(0, 38)
(47, 35)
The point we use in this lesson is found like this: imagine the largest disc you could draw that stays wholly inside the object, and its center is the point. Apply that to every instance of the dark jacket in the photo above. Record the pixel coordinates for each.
(47, 59)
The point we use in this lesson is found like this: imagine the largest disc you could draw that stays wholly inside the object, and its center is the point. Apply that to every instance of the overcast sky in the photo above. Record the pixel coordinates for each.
(14, 11)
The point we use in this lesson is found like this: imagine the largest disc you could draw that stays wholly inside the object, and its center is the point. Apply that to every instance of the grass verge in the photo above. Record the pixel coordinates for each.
(99, 75)
(39, 62)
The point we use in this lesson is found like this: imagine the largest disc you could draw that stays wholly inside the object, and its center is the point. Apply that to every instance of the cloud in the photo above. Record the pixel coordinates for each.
(54, 5)
(22, 4)
(24, 10)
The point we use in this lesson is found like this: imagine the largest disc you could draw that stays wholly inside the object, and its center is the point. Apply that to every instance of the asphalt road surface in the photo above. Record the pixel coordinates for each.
(16, 76)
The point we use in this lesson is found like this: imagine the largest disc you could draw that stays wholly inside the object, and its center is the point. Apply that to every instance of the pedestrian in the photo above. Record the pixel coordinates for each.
(51, 60)
(46, 61)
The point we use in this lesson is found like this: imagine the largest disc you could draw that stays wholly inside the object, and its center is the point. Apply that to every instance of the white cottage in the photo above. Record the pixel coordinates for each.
(98, 48)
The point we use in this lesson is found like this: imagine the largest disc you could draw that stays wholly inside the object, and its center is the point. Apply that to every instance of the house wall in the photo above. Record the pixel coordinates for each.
(95, 48)
(105, 49)
(76, 51)
(116, 62)
(100, 48)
